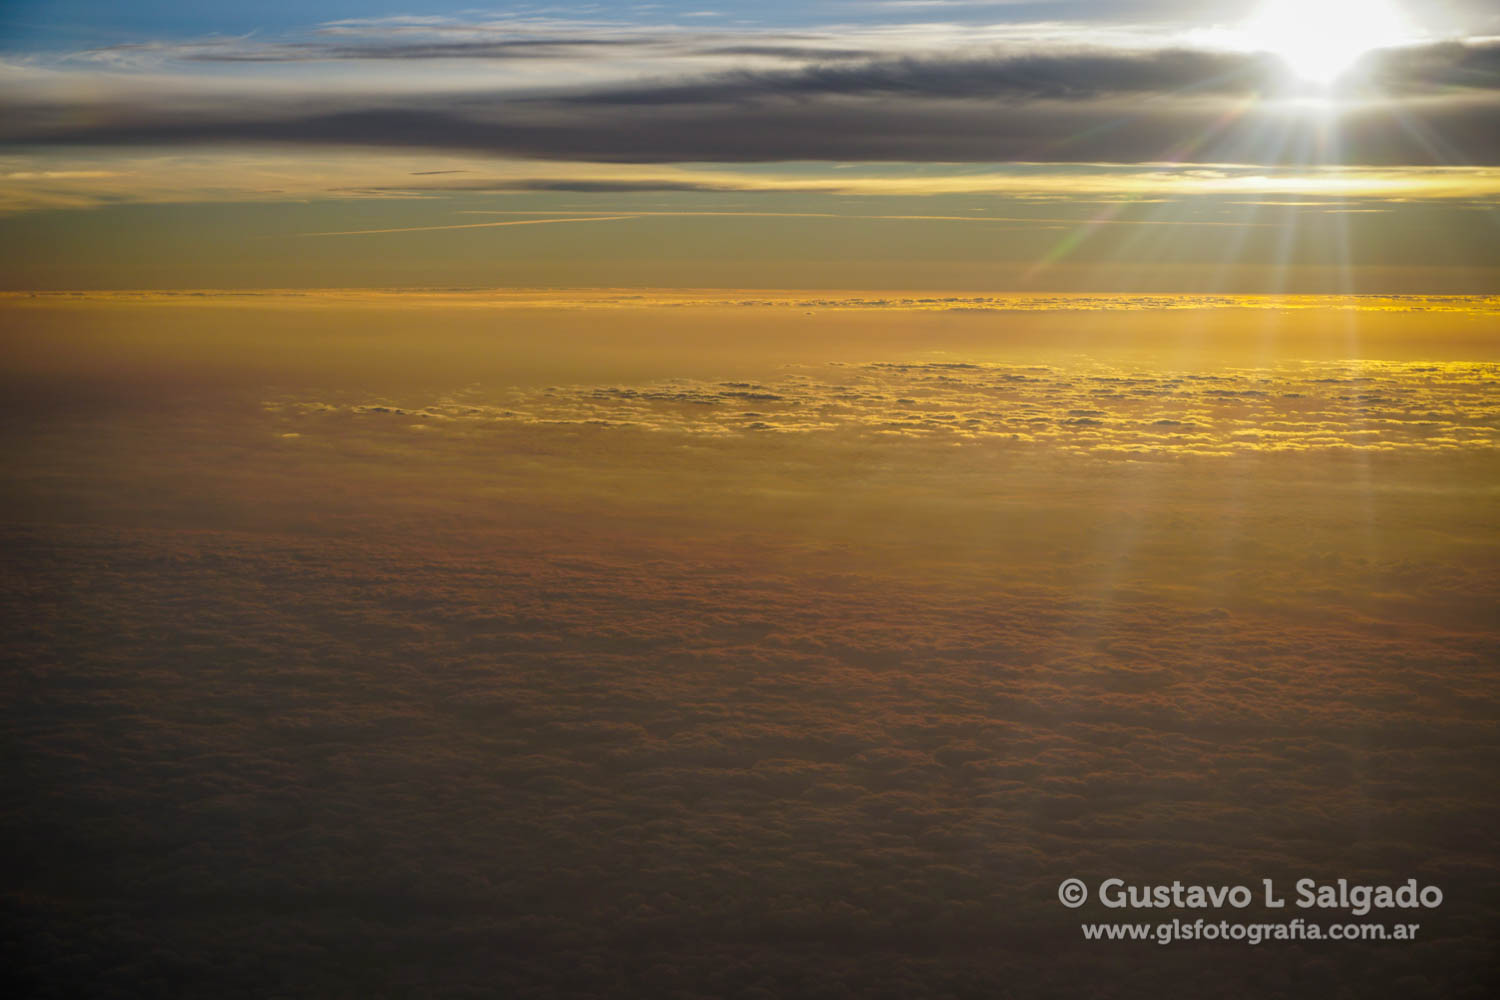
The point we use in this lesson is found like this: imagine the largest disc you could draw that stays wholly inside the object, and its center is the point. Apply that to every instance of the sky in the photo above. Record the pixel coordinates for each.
(1225, 147)
(741, 501)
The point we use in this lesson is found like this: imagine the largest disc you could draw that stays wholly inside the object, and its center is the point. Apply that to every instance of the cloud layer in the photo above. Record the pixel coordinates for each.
(620, 694)
(633, 97)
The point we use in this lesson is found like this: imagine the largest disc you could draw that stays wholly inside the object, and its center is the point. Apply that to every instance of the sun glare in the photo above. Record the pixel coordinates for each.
(1320, 39)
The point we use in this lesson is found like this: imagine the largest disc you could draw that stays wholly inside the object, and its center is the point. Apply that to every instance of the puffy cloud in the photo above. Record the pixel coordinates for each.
(1092, 409)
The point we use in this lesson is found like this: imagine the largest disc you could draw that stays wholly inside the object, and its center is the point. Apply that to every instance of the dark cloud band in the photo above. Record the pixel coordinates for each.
(1440, 106)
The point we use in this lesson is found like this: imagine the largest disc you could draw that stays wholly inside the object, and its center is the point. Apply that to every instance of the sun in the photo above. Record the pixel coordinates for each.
(1320, 39)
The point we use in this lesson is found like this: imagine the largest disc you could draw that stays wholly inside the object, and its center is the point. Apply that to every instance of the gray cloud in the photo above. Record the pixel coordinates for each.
(238, 52)
(1447, 65)
(1080, 107)
(612, 129)
(386, 48)
(1067, 76)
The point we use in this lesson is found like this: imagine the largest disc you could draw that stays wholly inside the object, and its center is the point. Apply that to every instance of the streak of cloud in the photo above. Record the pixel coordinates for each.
(472, 225)
(977, 219)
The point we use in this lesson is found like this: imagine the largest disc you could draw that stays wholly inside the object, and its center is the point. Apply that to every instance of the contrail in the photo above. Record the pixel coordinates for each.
(473, 225)
(912, 218)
